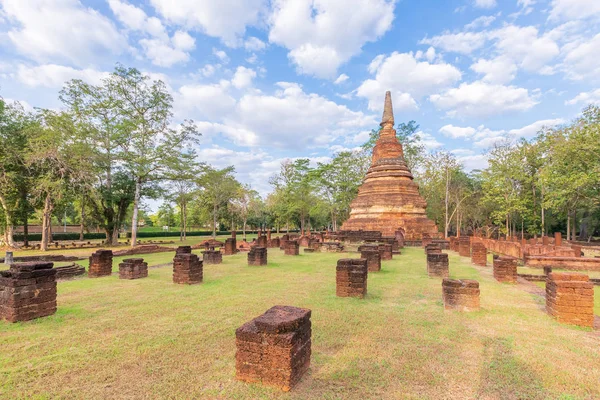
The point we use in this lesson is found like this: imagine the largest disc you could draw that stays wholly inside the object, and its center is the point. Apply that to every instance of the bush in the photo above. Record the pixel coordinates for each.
(36, 237)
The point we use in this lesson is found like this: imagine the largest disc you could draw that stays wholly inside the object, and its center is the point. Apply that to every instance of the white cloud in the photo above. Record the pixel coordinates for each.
(428, 140)
(221, 55)
(50, 31)
(532, 129)
(407, 78)
(461, 42)
(526, 3)
(585, 98)
(485, 3)
(471, 162)
(158, 47)
(525, 47)
(481, 22)
(581, 61)
(254, 44)
(55, 76)
(243, 77)
(323, 34)
(341, 79)
(224, 19)
(480, 99)
(457, 132)
(210, 102)
(574, 9)
(498, 70)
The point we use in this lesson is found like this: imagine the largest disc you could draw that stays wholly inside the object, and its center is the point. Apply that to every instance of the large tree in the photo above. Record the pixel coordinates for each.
(218, 188)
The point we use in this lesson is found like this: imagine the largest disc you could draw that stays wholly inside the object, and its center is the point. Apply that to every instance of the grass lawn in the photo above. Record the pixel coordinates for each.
(150, 338)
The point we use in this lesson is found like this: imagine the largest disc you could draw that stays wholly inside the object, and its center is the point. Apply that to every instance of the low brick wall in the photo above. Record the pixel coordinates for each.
(27, 291)
(569, 263)
(100, 264)
(183, 250)
(505, 269)
(292, 248)
(187, 269)
(437, 265)
(257, 256)
(212, 257)
(273, 243)
(275, 348)
(133, 268)
(454, 243)
(351, 277)
(433, 248)
(461, 295)
(570, 298)
(373, 258)
(479, 254)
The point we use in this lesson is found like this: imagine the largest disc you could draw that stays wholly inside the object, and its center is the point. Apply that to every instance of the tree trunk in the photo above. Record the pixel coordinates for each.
(46, 222)
(568, 225)
(214, 233)
(574, 231)
(134, 219)
(8, 234)
(81, 225)
(244, 230)
(446, 203)
(184, 220)
(181, 222)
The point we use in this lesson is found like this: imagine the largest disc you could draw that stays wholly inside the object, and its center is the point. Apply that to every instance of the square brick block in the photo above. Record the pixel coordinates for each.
(460, 295)
(570, 298)
(351, 277)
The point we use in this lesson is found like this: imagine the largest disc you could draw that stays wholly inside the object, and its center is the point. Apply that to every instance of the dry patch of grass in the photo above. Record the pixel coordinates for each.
(150, 338)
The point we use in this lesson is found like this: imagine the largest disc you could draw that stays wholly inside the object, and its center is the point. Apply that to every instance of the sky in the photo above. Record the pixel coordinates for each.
(270, 80)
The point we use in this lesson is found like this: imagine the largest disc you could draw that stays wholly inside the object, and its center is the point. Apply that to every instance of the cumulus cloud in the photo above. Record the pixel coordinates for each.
(321, 35)
(161, 49)
(574, 9)
(407, 78)
(525, 46)
(55, 76)
(243, 77)
(223, 19)
(341, 79)
(254, 44)
(481, 22)
(461, 42)
(481, 99)
(61, 31)
(498, 70)
(584, 98)
(581, 60)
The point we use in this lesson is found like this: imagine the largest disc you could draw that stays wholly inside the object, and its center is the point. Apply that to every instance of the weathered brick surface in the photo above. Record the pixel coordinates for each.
(27, 291)
(437, 265)
(505, 269)
(212, 257)
(100, 263)
(133, 268)
(187, 269)
(461, 295)
(283, 241)
(385, 251)
(479, 254)
(275, 348)
(464, 246)
(373, 258)
(292, 248)
(230, 247)
(183, 250)
(454, 243)
(570, 298)
(261, 241)
(399, 234)
(351, 277)
(257, 256)
(433, 248)
(274, 243)
(426, 240)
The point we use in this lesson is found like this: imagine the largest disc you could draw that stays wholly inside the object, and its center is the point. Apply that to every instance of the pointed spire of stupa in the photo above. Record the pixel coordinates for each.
(388, 110)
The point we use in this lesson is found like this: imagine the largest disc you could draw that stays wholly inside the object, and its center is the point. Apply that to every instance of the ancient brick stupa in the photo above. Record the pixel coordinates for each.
(389, 199)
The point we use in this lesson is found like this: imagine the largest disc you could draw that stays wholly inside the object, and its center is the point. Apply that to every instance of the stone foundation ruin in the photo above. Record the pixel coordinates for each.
(187, 268)
(373, 258)
(437, 265)
(133, 268)
(212, 257)
(570, 298)
(100, 264)
(292, 248)
(230, 247)
(257, 256)
(27, 291)
(505, 269)
(351, 277)
(275, 348)
(464, 246)
(385, 251)
(478, 254)
(460, 295)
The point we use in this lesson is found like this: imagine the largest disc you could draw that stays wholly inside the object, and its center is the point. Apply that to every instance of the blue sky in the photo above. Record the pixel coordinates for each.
(270, 80)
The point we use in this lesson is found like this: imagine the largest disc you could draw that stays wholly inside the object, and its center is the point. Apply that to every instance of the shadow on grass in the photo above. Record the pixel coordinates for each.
(504, 376)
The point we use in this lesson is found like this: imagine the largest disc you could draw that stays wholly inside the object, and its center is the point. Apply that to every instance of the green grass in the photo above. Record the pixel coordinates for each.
(150, 338)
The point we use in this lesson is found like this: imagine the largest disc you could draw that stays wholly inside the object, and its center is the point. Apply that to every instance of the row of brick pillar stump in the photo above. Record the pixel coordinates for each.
(569, 296)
